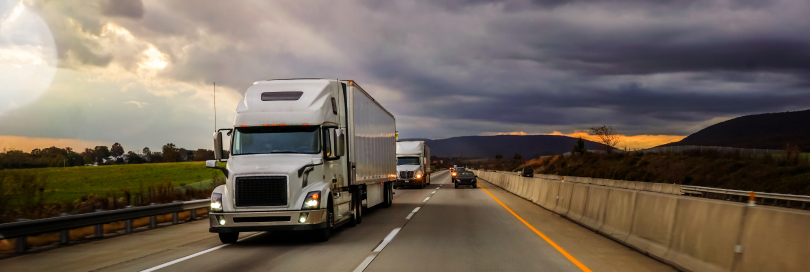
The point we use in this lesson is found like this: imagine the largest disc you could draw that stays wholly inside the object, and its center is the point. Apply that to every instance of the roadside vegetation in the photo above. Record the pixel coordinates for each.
(47, 192)
(786, 174)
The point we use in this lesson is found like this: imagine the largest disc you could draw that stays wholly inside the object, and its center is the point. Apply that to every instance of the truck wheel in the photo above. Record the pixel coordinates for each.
(428, 179)
(456, 185)
(228, 238)
(355, 212)
(475, 185)
(322, 235)
(388, 195)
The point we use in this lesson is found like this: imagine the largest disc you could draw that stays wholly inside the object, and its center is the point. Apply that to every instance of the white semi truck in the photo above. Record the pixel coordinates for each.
(413, 164)
(305, 155)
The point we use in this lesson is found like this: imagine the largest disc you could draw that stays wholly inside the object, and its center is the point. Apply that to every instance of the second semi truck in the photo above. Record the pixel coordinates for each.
(305, 155)
(413, 164)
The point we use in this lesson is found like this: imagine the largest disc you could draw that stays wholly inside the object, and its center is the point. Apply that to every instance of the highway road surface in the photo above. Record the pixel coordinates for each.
(438, 228)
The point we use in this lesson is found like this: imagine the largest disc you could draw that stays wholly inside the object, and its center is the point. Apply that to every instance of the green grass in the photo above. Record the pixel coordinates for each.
(71, 183)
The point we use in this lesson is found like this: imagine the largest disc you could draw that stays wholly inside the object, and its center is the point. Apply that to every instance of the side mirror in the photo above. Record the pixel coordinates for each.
(217, 146)
(211, 163)
(340, 148)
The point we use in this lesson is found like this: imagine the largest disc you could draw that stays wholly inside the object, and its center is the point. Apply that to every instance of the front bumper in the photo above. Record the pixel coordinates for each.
(266, 221)
(408, 182)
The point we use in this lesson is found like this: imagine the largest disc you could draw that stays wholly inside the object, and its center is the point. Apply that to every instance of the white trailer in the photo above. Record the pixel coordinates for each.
(413, 164)
(305, 155)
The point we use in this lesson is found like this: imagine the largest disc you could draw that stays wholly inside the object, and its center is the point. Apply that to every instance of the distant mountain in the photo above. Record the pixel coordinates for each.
(506, 145)
(765, 131)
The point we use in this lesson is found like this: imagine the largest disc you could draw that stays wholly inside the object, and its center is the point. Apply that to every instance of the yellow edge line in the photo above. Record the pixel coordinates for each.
(560, 249)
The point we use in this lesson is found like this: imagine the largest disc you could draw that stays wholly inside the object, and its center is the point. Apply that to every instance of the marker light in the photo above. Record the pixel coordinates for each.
(418, 176)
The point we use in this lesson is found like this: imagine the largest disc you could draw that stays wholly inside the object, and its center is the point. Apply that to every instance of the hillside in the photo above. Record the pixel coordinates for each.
(765, 131)
(764, 174)
(507, 145)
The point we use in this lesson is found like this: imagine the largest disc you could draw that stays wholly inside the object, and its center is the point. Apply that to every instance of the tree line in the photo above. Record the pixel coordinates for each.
(101, 155)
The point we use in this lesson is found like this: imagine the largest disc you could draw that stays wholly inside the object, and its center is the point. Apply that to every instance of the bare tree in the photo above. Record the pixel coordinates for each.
(607, 136)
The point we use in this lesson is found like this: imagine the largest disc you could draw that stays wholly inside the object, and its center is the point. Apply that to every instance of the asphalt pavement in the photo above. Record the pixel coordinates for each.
(437, 228)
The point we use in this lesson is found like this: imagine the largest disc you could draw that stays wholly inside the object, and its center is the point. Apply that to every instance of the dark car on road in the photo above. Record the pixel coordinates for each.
(527, 172)
(466, 178)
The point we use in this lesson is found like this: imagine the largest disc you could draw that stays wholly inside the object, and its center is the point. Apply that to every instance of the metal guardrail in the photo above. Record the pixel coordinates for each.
(62, 224)
(760, 196)
(726, 194)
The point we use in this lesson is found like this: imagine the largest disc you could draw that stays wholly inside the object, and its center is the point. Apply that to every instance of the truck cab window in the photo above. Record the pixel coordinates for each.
(269, 140)
(407, 160)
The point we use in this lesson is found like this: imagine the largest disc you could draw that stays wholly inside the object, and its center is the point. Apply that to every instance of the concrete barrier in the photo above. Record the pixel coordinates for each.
(553, 195)
(775, 239)
(544, 188)
(564, 203)
(578, 199)
(619, 213)
(653, 219)
(538, 185)
(692, 234)
(705, 234)
(594, 215)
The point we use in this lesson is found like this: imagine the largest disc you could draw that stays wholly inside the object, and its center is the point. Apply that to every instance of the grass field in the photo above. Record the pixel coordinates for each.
(71, 183)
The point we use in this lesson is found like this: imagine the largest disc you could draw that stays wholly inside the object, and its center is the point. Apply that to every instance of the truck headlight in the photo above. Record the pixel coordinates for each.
(312, 201)
(216, 202)
(418, 176)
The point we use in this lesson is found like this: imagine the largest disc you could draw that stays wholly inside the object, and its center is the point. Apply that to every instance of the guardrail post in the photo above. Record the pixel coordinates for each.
(21, 244)
(99, 231)
(64, 237)
(152, 222)
(752, 199)
(193, 214)
(174, 218)
(128, 226)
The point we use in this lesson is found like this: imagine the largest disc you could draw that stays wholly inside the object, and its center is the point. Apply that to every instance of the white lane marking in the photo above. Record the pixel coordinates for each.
(192, 255)
(426, 199)
(387, 240)
(409, 216)
(433, 192)
(416, 209)
(365, 263)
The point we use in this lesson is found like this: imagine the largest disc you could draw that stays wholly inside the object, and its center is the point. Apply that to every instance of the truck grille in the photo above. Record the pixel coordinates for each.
(261, 191)
(406, 174)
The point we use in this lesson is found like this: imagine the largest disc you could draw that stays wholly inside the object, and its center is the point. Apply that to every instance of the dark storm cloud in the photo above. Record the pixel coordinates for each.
(645, 67)
(122, 8)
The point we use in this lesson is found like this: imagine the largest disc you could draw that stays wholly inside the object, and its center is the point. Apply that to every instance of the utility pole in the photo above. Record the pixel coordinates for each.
(215, 106)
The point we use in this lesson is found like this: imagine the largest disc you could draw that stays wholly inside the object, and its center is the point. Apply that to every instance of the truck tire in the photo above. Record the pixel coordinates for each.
(229, 237)
(356, 210)
(428, 179)
(322, 235)
(388, 195)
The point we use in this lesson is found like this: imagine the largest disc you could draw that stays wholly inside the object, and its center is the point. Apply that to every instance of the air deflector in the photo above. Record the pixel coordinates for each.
(281, 96)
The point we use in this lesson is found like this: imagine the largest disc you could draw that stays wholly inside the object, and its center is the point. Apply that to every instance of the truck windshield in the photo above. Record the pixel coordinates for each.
(407, 160)
(268, 140)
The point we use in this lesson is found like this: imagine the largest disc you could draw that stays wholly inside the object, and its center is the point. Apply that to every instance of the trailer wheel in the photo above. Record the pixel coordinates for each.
(388, 195)
(229, 237)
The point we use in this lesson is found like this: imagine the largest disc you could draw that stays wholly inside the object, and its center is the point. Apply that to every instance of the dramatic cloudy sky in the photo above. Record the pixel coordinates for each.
(137, 72)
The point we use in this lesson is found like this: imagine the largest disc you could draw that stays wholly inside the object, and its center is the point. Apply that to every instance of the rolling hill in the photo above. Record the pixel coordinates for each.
(507, 145)
(766, 131)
